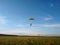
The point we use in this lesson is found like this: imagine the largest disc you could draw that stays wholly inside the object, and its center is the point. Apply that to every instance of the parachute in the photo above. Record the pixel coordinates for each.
(31, 19)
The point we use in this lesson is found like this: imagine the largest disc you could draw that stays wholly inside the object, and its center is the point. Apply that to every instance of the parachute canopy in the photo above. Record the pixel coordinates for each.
(31, 18)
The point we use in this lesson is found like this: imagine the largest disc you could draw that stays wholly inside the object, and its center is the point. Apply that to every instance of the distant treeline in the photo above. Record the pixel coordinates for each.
(7, 35)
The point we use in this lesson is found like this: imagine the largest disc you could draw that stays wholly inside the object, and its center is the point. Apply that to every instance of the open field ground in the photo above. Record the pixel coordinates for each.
(29, 40)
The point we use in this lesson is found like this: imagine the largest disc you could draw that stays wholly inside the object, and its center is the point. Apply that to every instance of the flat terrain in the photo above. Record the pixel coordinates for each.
(29, 40)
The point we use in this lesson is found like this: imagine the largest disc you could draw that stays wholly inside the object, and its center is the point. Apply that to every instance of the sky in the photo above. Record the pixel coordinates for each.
(14, 15)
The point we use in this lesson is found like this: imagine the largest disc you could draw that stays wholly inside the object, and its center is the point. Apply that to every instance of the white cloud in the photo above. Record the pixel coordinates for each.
(48, 18)
(47, 25)
(41, 25)
(29, 32)
(21, 25)
(3, 20)
(19, 32)
(51, 25)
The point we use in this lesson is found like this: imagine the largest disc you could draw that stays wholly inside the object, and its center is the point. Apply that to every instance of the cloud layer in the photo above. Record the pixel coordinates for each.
(52, 25)
(3, 20)
(40, 25)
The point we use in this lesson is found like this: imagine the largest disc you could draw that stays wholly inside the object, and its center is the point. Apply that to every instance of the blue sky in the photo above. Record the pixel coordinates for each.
(14, 16)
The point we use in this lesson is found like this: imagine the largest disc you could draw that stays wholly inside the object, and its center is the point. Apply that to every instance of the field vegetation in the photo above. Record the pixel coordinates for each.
(29, 40)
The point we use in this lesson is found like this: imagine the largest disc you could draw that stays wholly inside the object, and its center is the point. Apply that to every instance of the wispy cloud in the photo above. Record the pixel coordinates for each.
(48, 18)
(51, 5)
(19, 25)
(3, 20)
(41, 25)
(19, 32)
(28, 31)
(47, 25)
(51, 25)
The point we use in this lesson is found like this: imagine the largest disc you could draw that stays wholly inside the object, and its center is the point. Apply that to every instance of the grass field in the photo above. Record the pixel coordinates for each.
(25, 40)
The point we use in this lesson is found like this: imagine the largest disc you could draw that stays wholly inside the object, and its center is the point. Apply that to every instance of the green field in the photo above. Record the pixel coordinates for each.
(29, 40)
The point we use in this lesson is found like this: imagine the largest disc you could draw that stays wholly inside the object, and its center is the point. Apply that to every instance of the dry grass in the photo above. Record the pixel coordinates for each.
(13, 40)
